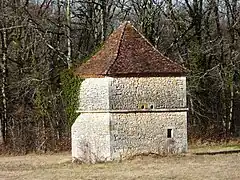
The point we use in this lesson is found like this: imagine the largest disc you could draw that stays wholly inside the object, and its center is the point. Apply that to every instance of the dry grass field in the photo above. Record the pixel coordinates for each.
(59, 166)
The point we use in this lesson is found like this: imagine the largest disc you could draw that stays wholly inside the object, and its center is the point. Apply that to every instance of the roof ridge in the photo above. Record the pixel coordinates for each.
(155, 47)
(117, 53)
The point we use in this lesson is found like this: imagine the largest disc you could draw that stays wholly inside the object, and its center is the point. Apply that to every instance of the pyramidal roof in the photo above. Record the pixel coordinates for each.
(128, 53)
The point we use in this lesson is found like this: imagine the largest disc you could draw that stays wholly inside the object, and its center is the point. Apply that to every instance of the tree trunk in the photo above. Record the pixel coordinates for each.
(103, 20)
(68, 14)
(3, 123)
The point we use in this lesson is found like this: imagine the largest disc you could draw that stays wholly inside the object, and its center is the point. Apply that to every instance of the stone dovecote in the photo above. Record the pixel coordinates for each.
(132, 101)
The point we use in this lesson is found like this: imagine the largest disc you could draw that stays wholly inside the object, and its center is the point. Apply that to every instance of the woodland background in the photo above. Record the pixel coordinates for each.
(42, 41)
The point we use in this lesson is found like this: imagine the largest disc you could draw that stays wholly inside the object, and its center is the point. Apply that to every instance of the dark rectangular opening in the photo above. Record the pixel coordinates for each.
(169, 133)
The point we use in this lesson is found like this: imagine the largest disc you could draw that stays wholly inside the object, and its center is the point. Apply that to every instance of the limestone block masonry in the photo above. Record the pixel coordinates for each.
(91, 137)
(161, 92)
(144, 133)
(122, 117)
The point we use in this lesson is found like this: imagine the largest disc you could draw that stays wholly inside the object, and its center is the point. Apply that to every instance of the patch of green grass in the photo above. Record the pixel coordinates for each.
(212, 148)
(233, 146)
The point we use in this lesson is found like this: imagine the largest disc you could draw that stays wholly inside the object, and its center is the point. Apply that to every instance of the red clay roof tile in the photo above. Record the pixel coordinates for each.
(128, 53)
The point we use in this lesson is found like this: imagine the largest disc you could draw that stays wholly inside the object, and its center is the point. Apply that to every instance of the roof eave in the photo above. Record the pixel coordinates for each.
(155, 74)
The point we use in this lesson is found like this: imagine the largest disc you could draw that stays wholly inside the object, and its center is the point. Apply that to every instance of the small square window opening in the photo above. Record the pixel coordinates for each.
(169, 133)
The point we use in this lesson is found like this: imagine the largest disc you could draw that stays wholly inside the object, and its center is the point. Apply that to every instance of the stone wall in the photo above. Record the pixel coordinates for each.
(91, 137)
(94, 94)
(114, 125)
(131, 93)
(137, 133)
(160, 92)
(112, 136)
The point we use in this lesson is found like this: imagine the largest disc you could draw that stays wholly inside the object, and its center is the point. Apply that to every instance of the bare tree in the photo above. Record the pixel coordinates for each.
(68, 15)
(3, 122)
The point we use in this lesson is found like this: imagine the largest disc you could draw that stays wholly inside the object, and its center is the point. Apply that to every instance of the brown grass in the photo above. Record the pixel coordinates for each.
(59, 166)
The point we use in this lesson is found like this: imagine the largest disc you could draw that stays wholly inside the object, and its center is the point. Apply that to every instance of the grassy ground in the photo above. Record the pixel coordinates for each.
(59, 166)
(214, 148)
